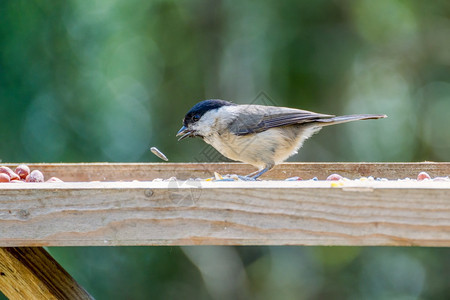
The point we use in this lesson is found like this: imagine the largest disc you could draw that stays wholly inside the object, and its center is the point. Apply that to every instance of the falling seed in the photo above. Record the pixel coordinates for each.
(158, 153)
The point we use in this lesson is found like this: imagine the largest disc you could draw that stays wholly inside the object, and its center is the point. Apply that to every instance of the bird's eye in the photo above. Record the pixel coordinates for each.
(195, 118)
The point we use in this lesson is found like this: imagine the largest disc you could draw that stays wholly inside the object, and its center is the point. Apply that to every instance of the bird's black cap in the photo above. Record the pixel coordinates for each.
(199, 109)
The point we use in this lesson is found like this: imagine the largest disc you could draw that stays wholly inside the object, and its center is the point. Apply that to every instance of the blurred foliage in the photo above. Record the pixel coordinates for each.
(104, 80)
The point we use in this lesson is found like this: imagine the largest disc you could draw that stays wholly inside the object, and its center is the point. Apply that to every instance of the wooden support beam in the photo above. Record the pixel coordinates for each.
(225, 213)
(31, 273)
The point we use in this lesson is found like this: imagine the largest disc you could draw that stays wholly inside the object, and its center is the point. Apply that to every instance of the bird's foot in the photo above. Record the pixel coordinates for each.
(234, 177)
(246, 178)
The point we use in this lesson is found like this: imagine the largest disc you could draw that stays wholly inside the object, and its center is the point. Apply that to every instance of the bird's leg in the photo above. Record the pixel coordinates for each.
(249, 177)
(258, 173)
(252, 173)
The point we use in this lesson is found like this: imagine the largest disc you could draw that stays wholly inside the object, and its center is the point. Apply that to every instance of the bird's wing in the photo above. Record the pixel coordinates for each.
(258, 118)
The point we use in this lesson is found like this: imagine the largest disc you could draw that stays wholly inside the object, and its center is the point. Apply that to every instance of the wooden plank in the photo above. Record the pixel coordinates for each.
(225, 213)
(183, 171)
(31, 273)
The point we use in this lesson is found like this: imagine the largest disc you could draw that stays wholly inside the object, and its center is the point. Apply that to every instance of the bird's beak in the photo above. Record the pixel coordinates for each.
(184, 132)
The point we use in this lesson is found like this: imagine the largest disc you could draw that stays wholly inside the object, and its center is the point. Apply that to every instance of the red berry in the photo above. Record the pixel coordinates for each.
(9, 172)
(334, 177)
(35, 176)
(423, 176)
(22, 171)
(4, 177)
(54, 179)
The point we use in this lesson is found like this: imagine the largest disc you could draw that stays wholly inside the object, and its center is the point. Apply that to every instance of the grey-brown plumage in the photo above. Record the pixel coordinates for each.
(259, 135)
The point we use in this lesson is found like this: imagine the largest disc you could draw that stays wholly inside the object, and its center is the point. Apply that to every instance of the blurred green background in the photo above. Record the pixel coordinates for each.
(87, 81)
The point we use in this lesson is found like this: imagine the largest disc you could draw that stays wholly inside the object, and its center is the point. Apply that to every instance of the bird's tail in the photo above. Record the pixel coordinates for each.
(349, 118)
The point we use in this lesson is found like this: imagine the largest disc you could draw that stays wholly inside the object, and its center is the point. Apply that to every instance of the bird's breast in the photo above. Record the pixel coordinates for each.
(272, 146)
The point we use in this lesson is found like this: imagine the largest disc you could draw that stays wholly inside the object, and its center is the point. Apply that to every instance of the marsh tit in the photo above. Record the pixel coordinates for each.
(260, 135)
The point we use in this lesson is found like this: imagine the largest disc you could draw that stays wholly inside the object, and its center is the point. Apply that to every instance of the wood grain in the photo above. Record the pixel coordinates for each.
(225, 213)
(31, 273)
(183, 171)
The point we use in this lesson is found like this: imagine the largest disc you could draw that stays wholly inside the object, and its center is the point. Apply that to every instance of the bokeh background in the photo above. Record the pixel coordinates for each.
(88, 81)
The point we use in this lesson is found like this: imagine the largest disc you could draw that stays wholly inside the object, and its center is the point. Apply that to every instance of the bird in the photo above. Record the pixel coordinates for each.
(259, 135)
